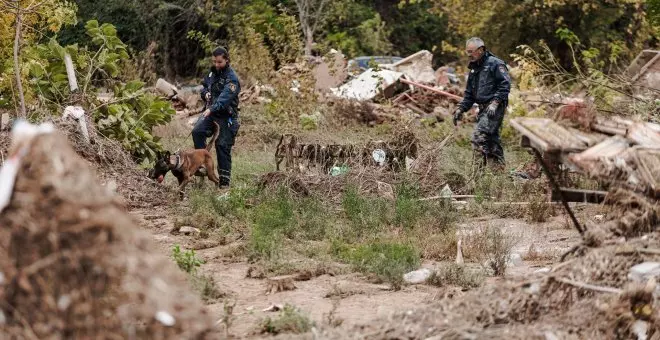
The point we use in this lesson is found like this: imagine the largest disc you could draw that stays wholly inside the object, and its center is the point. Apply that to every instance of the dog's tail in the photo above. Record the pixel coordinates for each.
(216, 133)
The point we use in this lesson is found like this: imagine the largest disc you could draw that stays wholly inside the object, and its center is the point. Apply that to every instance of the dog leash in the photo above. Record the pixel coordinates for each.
(201, 116)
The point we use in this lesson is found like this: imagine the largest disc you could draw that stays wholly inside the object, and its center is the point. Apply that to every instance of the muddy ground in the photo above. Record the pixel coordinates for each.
(367, 302)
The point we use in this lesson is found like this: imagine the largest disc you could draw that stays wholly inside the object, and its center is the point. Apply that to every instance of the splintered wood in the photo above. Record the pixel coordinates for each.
(630, 158)
(548, 136)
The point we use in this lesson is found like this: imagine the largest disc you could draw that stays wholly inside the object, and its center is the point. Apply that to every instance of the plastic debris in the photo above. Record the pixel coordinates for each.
(165, 318)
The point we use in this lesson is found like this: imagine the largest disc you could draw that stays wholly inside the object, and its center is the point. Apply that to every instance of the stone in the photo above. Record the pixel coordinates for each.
(189, 231)
(418, 276)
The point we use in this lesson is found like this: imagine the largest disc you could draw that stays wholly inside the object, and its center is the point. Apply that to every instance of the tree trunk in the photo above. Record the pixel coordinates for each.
(17, 66)
(309, 39)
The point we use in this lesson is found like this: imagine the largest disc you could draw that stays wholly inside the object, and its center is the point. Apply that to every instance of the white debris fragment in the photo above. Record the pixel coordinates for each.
(644, 271)
(22, 135)
(64, 302)
(78, 113)
(165, 318)
(418, 276)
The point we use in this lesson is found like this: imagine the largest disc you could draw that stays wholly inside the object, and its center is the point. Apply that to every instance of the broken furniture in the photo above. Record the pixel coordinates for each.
(615, 151)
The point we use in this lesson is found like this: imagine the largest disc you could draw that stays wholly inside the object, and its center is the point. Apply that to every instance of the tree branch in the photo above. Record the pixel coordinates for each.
(17, 65)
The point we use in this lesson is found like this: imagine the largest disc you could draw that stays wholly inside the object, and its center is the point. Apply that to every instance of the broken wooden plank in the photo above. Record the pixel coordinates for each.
(580, 196)
(647, 66)
(422, 86)
(535, 141)
(416, 109)
(644, 134)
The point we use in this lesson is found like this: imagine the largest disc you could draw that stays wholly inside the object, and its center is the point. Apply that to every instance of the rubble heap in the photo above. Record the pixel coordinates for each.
(74, 264)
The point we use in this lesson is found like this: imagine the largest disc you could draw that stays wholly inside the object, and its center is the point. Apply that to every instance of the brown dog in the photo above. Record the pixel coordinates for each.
(185, 164)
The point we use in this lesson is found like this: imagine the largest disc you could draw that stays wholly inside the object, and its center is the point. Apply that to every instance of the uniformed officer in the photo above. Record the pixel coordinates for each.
(488, 85)
(221, 89)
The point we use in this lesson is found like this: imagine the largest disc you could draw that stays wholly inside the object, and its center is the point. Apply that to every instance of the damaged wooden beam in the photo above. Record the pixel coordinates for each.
(429, 88)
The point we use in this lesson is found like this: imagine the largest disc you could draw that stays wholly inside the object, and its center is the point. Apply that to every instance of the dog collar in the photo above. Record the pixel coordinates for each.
(179, 163)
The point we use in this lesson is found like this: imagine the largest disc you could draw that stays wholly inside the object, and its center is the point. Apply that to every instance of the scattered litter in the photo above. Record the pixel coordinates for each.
(165, 318)
(379, 156)
(273, 308)
(542, 270)
(418, 276)
(641, 329)
(446, 192)
(338, 170)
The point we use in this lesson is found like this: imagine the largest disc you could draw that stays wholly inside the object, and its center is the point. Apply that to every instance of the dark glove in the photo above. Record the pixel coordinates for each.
(490, 110)
(458, 115)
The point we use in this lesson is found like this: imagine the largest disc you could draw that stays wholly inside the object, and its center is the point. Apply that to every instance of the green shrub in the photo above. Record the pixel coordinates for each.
(187, 260)
(387, 260)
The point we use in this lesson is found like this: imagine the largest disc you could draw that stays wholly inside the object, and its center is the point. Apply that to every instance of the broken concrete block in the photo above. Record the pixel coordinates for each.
(644, 271)
(418, 276)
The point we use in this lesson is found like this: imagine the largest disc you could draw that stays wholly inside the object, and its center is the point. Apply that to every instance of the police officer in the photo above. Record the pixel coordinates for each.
(488, 85)
(221, 89)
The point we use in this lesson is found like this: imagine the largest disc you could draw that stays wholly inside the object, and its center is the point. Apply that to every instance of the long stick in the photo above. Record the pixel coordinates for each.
(447, 94)
(589, 286)
(17, 66)
(556, 188)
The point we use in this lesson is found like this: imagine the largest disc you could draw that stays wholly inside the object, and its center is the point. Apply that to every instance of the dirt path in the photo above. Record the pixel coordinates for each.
(362, 301)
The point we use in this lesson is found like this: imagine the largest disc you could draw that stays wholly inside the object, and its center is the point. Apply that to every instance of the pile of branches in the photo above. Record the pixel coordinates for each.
(75, 265)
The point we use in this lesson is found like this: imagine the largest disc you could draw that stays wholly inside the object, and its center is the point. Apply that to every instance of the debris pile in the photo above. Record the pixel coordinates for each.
(75, 264)
(373, 168)
(410, 85)
(302, 157)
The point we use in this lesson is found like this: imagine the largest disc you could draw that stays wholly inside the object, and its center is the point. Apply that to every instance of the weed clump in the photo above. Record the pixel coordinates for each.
(186, 260)
(290, 320)
(457, 275)
(388, 261)
(491, 247)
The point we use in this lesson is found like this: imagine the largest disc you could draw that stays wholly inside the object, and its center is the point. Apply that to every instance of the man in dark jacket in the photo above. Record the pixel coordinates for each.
(221, 89)
(488, 86)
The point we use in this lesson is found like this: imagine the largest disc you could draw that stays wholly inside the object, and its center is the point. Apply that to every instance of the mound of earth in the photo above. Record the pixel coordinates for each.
(74, 264)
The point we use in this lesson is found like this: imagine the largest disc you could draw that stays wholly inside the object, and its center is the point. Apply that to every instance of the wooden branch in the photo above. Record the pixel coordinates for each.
(444, 93)
(17, 65)
(589, 286)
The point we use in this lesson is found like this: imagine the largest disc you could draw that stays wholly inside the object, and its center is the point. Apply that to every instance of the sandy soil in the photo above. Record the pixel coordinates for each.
(368, 301)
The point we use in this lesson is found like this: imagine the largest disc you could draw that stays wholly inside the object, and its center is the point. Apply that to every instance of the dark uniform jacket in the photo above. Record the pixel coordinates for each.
(224, 88)
(489, 79)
